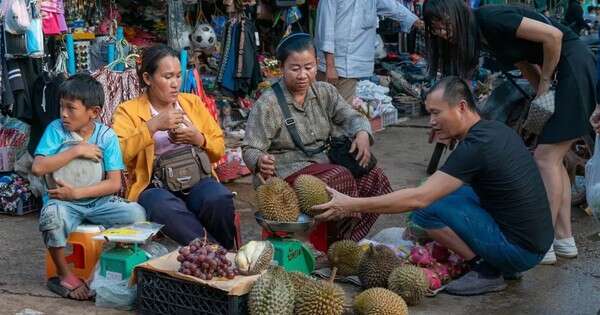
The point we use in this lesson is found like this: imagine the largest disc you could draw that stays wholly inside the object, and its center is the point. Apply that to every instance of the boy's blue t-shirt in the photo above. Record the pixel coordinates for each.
(56, 139)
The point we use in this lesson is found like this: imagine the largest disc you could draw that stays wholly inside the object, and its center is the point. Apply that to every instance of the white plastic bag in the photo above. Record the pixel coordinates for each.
(392, 238)
(113, 293)
(592, 180)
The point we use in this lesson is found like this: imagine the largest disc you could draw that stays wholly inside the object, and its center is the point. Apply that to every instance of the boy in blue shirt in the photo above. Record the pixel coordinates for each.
(81, 100)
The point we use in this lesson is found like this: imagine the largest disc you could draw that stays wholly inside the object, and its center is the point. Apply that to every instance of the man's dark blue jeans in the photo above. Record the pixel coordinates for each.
(462, 213)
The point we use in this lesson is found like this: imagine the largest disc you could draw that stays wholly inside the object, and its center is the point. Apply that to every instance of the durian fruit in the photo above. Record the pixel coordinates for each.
(277, 201)
(410, 283)
(320, 297)
(272, 294)
(254, 257)
(379, 301)
(299, 280)
(345, 255)
(311, 191)
(376, 265)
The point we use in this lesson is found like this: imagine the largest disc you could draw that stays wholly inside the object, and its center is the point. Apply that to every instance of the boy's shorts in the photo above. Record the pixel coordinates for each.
(59, 218)
(462, 213)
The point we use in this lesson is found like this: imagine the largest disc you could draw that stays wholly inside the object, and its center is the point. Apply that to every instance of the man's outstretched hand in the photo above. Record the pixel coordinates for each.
(339, 207)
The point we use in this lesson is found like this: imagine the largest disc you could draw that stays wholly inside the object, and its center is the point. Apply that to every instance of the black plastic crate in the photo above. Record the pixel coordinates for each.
(158, 293)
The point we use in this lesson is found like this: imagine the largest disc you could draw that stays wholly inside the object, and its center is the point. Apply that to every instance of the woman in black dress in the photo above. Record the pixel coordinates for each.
(543, 50)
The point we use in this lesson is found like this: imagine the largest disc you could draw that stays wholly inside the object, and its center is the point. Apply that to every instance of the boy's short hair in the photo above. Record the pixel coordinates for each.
(82, 87)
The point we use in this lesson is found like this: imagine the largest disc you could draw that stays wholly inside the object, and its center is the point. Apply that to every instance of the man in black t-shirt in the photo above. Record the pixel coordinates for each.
(487, 203)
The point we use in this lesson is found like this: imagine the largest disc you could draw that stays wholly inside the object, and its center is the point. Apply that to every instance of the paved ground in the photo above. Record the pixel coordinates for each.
(571, 287)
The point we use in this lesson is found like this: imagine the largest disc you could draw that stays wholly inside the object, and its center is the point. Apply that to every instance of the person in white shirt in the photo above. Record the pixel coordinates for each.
(345, 38)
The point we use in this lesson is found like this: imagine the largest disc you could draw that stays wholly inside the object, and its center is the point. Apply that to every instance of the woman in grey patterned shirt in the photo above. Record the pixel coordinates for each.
(269, 150)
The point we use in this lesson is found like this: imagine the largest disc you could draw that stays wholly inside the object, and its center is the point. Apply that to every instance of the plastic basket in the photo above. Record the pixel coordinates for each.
(24, 207)
(158, 293)
(390, 117)
(408, 106)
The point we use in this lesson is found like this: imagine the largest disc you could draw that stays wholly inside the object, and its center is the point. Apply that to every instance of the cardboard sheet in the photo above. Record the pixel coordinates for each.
(169, 265)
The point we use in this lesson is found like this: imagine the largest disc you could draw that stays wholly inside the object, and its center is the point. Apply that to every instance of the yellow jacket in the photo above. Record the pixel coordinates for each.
(137, 145)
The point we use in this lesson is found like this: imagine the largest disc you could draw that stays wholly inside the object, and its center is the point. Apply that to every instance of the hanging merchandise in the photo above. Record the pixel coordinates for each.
(34, 34)
(46, 105)
(18, 17)
(218, 24)
(82, 56)
(204, 37)
(239, 71)
(178, 31)
(208, 100)
(118, 88)
(53, 17)
(15, 45)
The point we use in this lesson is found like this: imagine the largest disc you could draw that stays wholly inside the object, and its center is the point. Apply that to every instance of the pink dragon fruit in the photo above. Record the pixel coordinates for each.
(441, 271)
(433, 279)
(438, 251)
(420, 256)
(456, 266)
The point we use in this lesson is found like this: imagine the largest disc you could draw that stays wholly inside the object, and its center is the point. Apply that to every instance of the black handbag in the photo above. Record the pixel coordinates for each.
(338, 148)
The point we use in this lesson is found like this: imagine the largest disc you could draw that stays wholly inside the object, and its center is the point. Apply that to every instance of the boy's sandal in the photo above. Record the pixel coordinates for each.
(57, 286)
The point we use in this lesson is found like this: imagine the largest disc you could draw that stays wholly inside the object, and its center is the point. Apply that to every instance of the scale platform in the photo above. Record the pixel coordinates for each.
(290, 253)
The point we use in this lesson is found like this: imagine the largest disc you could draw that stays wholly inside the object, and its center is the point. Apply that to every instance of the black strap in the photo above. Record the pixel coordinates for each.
(290, 123)
(512, 80)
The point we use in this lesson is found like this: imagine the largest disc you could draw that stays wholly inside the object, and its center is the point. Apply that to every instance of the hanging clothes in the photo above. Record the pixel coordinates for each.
(118, 88)
(239, 70)
(46, 106)
(2, 65)
(228, 59)
(22, 74)
(248, 74)
(53, 17)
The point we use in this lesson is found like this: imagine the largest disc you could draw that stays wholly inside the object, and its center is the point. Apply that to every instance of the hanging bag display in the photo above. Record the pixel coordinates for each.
(17, 18)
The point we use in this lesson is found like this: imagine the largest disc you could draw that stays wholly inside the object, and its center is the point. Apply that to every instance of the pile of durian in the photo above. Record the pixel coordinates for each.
(390, 284)
(280, 202)
(278, 292)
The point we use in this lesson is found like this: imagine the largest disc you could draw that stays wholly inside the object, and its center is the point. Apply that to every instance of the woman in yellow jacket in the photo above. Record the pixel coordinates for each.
(161, 120)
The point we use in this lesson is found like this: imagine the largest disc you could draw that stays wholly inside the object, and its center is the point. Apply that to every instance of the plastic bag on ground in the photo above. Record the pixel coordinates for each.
(113, 293)
(592, 181)
(392, 238)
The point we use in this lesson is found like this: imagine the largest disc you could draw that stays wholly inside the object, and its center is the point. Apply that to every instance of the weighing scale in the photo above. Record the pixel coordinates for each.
(290, 253)
(118, 262)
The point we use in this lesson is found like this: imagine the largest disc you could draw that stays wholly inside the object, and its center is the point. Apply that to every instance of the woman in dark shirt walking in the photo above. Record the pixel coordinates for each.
(543, 50)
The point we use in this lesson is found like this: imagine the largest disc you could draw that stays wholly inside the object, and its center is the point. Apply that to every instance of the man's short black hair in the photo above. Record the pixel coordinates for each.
(82, 87)
(455, 89)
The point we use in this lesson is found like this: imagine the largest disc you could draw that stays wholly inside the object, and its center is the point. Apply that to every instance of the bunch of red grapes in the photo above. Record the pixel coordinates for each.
(204, 260)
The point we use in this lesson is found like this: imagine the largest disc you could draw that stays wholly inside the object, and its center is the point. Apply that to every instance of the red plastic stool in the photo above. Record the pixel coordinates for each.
(317, 237)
